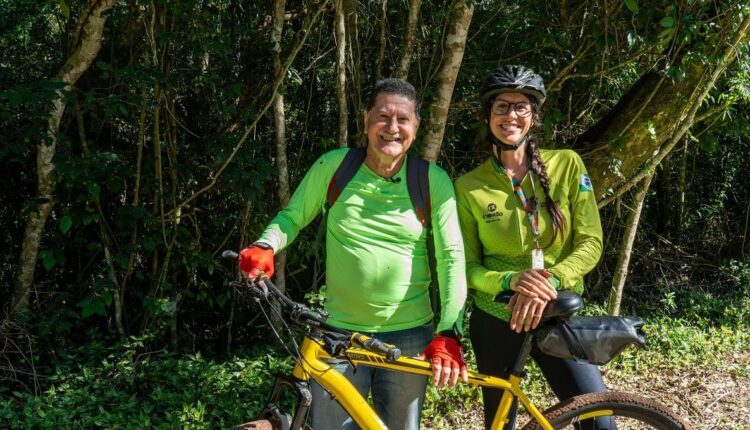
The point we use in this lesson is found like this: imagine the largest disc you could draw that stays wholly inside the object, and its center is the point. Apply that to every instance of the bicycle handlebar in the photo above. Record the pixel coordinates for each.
(300, 313)
(391, 352)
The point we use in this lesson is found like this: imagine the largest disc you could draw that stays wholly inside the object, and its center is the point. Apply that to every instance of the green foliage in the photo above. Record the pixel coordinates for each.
(177, 85)
(128, 390)
(120, 387)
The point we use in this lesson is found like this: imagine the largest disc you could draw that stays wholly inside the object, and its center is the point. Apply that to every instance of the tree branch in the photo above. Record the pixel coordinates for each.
(302, 36)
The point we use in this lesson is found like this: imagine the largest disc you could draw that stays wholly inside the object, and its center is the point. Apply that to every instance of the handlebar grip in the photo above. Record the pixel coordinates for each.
(391, 352)
(230, 255)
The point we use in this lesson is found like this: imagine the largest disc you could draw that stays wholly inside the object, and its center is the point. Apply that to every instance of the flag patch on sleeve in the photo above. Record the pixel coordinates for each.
(584, 183)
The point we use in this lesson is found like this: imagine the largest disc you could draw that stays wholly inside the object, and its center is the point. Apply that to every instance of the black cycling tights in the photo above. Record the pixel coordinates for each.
(496, 347)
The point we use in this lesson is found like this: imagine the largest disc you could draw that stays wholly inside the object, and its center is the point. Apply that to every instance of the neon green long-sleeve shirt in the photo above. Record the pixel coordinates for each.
(377, 270)
(497, 235)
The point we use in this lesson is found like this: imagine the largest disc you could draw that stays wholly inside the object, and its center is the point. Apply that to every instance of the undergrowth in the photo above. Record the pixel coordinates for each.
(124, 389)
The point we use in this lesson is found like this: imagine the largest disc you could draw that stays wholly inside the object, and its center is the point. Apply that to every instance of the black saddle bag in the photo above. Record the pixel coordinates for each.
(596, 340)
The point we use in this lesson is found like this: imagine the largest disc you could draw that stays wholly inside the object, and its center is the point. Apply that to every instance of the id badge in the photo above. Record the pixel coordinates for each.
(537, 258)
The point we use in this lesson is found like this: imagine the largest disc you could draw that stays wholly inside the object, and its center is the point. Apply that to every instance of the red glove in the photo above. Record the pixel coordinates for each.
(255, 259)
(447, 360)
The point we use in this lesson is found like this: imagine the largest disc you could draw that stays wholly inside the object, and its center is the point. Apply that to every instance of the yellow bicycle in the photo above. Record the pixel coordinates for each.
(323, 342)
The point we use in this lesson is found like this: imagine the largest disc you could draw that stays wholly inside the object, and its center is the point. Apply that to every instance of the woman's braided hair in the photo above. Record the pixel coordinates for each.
(559, 225)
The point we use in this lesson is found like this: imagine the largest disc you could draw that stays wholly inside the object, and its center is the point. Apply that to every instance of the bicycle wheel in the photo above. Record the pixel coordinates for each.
(262, 425)
(256, 425)
(630, 411)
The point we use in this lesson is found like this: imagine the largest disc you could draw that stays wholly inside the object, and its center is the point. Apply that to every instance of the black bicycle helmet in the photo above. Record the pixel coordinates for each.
(514, 79)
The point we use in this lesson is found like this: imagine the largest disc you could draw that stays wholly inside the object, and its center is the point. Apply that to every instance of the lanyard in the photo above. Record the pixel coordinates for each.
(532, 213)
(529, 205)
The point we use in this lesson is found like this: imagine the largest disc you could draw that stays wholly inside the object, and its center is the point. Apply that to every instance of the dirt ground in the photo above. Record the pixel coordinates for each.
(709, 398)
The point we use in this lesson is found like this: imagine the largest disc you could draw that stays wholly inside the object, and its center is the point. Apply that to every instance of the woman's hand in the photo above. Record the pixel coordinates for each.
(527, 312)
(533, 284)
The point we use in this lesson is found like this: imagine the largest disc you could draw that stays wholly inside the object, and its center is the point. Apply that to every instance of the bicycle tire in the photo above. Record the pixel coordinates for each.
(255, 425)
(261, 425)
(630, 411)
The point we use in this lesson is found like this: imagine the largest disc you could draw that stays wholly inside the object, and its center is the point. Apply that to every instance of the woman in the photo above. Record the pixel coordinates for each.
(531, 225)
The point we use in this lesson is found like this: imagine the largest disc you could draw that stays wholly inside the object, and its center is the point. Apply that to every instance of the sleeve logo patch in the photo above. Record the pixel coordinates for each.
(584, 183)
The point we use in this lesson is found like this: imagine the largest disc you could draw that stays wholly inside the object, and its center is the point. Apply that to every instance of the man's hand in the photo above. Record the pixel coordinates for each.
(447, 361)
(255, 259)
(533, 283)
(527, 312)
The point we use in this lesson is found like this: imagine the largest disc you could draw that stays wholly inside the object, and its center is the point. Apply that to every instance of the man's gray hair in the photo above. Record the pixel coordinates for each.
(394, 86)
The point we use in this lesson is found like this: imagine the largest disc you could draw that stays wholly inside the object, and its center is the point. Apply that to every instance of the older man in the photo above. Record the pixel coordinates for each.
(378, 274)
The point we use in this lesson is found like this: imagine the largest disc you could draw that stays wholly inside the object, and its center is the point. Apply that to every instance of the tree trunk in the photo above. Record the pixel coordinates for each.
(664, 206)
(382, 38)
(651, 118)
(355, 62)
(455, 42)
(626, 247)
(103, 227)
(680, 213)
(280, 126)
(87, 44)
(341, 72)
(411, 32)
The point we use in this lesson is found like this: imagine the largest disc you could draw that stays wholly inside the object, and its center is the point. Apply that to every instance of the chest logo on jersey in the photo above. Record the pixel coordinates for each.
(492, 214)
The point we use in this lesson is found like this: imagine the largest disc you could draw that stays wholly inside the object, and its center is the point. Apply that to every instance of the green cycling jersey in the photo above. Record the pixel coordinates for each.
(498, 238)
(377, 270)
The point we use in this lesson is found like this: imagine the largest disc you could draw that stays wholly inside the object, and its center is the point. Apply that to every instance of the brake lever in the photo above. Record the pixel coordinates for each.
(258, 289)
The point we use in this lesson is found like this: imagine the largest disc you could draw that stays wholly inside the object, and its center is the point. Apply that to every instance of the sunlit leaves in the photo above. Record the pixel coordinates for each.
(65, 9)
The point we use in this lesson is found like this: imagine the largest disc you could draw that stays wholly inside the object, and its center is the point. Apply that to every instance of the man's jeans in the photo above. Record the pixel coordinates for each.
(397, 396)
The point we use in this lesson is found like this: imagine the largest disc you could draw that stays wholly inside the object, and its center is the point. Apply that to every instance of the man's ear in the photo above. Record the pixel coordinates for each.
(364, 116)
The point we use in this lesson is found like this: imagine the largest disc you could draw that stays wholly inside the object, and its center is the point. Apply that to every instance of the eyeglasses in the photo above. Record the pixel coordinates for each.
(501, 107)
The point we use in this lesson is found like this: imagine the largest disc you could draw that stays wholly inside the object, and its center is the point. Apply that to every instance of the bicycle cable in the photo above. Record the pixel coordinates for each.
(297, 356)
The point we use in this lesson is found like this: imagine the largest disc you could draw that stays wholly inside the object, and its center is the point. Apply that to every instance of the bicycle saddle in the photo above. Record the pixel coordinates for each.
(566, 304)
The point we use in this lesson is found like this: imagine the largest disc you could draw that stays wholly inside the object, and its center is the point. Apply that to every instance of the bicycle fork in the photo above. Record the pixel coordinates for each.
(273, 411)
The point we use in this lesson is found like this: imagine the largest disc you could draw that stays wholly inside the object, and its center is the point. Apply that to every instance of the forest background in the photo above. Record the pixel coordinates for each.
(141, 138)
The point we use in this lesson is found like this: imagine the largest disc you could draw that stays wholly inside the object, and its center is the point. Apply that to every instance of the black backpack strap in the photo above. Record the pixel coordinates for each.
(345, 172)
(418, 183)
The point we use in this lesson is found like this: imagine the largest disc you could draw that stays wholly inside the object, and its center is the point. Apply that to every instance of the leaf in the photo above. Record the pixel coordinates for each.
(48, 259)
(632, 5)
(667, 22)
(93, 189)
(632, 39)
(16, 98)
(93, 308)
(65, 9)
(169, 307)
(66, 223)
(665, 36)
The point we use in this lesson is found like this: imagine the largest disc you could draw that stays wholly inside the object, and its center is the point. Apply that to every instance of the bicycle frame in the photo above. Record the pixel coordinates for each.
(313, 361)
(313, 365)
